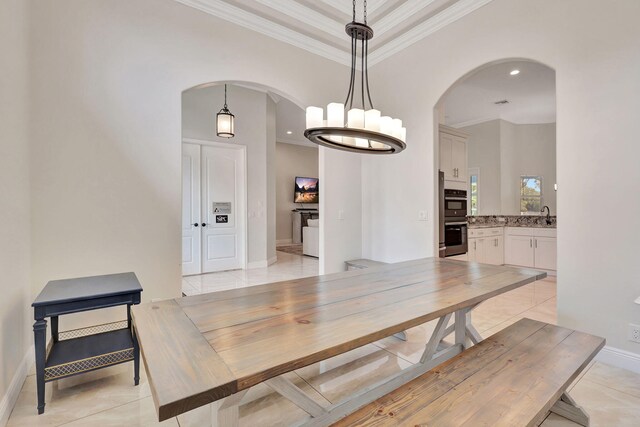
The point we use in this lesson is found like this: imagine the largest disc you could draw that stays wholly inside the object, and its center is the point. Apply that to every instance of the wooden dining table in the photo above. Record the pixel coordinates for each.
(212, 348)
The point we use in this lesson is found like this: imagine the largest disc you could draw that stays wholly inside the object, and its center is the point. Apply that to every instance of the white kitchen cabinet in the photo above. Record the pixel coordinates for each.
(545, 253)
(494, 250)
(531, 247)
(519, 250)
(486, 245)
(453, 155)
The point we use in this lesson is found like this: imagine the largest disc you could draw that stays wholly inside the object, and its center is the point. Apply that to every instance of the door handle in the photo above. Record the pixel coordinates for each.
(204, 224)
(195, 224)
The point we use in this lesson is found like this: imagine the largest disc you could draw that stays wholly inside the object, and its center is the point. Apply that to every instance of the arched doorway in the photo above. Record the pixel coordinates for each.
(238, 243)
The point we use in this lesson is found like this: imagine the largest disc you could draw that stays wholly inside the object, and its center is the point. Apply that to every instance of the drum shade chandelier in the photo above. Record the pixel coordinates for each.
(365, 131)
(224, 120)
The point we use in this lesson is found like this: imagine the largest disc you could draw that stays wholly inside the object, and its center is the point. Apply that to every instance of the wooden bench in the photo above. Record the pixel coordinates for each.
(359, 264)
(513, 378)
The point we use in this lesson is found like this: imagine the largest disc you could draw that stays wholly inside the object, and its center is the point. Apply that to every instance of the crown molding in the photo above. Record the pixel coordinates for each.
(430, 26)
(293, 141)
(399, 15)
(253, 22)
(473, 122)
(238, 16)
(307, 16)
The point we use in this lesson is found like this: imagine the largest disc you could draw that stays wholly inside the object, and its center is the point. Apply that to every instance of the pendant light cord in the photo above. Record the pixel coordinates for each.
(225, 97)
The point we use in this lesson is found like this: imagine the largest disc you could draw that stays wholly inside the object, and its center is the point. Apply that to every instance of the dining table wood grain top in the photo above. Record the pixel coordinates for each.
(202, 348)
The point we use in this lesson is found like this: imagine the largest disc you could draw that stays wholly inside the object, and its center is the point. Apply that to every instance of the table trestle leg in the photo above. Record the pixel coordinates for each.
(225, 412)
(568, 408)
(292, 392)
(438, 335)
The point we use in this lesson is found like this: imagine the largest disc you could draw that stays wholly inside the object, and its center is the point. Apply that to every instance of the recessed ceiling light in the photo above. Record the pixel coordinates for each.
(289, 132)
(514, 72)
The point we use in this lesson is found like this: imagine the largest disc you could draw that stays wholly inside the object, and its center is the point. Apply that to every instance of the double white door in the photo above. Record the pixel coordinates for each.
(213, 208)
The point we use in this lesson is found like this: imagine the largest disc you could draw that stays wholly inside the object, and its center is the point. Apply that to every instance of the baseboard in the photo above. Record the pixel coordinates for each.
(284, 242)
(11, 397)
(620, 358)
(272, 260)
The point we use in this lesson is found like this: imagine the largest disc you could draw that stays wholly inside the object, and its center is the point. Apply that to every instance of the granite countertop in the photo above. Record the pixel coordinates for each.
(530, 221)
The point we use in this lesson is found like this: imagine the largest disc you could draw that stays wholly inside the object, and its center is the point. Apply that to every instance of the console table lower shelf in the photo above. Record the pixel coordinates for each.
(73, 356)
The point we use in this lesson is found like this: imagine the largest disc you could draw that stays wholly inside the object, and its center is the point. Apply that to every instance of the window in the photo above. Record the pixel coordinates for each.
(530, 195)
(474, 175)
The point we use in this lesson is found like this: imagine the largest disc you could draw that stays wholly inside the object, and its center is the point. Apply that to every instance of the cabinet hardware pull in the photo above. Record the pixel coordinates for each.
(536, 243)
(530, 243)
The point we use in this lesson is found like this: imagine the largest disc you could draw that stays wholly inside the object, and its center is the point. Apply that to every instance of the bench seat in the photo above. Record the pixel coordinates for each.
(513, 378)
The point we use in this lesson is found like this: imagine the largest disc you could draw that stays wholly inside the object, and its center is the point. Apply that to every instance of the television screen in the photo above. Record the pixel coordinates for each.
(306, 190)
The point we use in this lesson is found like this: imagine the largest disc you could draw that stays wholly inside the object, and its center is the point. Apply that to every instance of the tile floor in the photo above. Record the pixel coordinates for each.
(108, 398)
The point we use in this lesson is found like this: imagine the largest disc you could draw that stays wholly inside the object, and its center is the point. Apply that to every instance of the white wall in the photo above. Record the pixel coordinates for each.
(504, 151)
(532, 152)
(15, 235)
(254, 128)
(483, 152)
(594, 48)
(107, 80)
(341, 213)
(291, 161)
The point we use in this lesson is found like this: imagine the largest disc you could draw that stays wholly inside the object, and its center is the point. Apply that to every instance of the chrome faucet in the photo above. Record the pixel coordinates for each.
(548, 214)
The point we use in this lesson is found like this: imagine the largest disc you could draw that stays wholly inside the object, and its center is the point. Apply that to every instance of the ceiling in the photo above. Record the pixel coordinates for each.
(531, 95)
(318, 25)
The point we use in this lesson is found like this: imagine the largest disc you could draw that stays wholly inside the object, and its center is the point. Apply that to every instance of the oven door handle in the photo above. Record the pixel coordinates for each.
(455, 223)
(455, 198)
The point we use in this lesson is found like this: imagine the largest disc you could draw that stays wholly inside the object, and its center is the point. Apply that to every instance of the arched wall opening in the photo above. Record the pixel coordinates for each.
(262, 113)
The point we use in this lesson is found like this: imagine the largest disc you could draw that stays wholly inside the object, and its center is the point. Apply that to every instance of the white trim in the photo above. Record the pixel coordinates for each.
(619, 358)
(264, 26)
(473, 122)
(263, 263)
(13, 391)
(284, 242)
(400, 14)
(256, 23)
(300, 142)
(430, 26)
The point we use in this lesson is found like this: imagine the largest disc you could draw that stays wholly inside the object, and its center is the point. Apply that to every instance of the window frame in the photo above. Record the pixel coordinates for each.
(521, 196)
(473, 172)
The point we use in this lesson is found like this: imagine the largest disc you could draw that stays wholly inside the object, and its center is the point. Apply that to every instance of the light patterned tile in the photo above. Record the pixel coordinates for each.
(65, 403)
(139, 413)
(340, 377)
(615, 378)
(606, 406)
(261, 406)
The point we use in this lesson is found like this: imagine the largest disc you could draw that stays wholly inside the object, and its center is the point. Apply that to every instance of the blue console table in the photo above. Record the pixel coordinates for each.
(82, 350)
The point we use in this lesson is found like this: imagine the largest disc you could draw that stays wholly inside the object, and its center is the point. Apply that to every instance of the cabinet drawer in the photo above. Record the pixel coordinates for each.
(483, 232)
(544, 232)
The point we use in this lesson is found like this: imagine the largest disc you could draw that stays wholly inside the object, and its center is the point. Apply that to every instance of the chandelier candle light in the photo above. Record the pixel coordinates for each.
(366, 130)
(224, 120)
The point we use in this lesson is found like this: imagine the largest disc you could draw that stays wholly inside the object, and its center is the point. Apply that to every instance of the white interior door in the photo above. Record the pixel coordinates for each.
(223, 199)
(191, 234)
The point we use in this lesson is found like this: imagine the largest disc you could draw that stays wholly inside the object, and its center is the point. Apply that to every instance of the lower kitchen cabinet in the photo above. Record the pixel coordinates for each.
(486, 245)
(531, 247)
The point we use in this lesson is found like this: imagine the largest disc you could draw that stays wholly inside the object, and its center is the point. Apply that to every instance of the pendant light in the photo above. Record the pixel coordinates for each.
(224, 120)
(366, 130)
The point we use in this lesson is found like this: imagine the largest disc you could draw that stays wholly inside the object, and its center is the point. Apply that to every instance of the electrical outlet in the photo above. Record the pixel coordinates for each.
(422, 215)
(634, 333)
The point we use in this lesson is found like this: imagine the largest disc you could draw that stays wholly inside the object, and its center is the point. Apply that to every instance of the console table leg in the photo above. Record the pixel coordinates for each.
(136, 357)
(40, 344)
(54, 328)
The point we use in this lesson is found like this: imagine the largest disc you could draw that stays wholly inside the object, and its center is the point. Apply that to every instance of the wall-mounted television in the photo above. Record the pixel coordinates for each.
(306, 190)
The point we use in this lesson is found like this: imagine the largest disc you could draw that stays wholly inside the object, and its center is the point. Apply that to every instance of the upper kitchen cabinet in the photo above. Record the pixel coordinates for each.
(453, 156)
